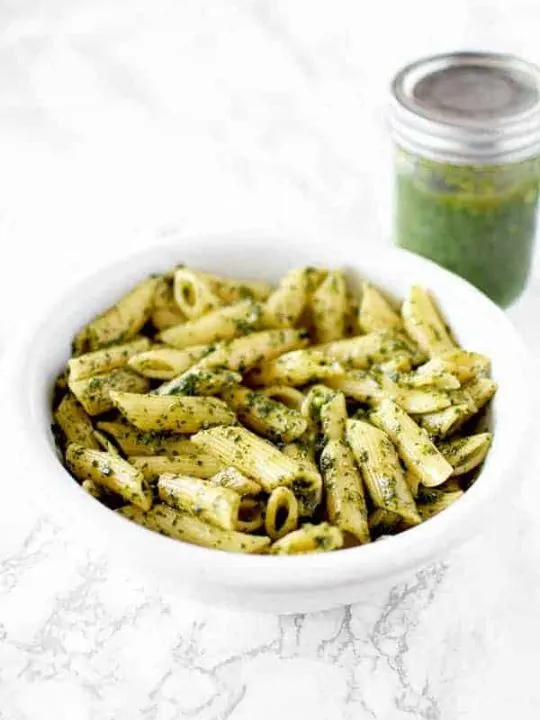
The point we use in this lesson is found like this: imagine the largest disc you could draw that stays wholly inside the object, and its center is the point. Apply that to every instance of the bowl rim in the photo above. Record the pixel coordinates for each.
(267, 571)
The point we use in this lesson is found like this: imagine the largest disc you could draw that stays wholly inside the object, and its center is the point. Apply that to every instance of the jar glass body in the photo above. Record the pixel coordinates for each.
(479, 222)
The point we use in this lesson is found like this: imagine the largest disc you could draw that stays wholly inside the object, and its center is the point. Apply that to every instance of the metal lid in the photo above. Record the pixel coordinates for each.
(468, 108)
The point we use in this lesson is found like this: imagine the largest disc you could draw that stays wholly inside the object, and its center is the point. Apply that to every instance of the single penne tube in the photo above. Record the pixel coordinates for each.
(281, 515)
(415, 448)
(329, 307)
(252, 455)
(481, 390)
(100, 361)
(448, 421)
(250, 515)
(74, 422)
(119, 323)
(344, 490)
(434, 501)
(444, 422)
(295, 368)
(333, 415)
(193, 294)
(309, 539)
(94, 393)
(466, 453)
(431, 377)
(191, 461)
(375, 312)
(165, 311)
(266, 417)
(232, 290)
(381, 470)
(200, 381)
(109, 471)
(177, 414)
(243, 353)
(367, 387)
(230, 477)
(285, 305)
(308, 486)
(221, 324)
(165, 363)
(462, 364)
(424, 324)
(135, 442)
(362, 351)
(288, 396)
(211, 503)
(191, 529)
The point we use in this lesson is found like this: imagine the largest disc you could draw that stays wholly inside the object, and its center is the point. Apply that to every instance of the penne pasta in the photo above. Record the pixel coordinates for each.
(193, 294)
(135, 442)
(424, 324)
(413, 445)
(376, 313)
(166, 363)
(264, 416)
(190, 529)
(250, 515)
(119, 323)
(192, 460)
(101, 361)
(288, 396)
(230, 477)
(308, 485)
(233, 290)
(381, 470)
(466, 453)
(109, 471)
(94, 393)
(177, 414)
(281, 513)
(366, 387)
(434, 501)
(251, 455)
(74, 423)
(221, 324)
(245, 352)
(463, 365)
(256, 407)
(217, 505)
(165, 311)
(329, 307)
(344, 490)
(295, 368)
(199, 381)
(309, 539)
(285, 305)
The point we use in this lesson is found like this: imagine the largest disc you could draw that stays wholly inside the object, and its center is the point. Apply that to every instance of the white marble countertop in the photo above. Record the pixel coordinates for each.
(126, 122)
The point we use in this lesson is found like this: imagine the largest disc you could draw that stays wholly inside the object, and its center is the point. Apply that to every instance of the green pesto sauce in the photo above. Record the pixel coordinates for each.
(477, 222)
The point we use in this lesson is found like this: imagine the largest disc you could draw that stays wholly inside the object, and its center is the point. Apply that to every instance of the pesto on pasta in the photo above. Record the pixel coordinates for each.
(287, 419)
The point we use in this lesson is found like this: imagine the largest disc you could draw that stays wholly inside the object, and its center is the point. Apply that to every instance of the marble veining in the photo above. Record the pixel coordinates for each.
(126, 123)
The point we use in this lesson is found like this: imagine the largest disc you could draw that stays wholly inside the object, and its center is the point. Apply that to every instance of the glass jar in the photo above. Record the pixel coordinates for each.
(467, 134)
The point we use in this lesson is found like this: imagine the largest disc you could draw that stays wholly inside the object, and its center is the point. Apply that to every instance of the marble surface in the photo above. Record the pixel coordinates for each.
(125, 123)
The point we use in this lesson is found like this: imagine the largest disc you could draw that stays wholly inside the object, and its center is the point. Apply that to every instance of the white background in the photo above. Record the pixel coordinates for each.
(121, 124)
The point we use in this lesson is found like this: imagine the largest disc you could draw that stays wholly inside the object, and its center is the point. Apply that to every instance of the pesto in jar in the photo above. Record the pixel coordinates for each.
(466, 129)
(477, 222)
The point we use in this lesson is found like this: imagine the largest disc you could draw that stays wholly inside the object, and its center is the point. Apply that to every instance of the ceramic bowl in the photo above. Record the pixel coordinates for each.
(271, 583)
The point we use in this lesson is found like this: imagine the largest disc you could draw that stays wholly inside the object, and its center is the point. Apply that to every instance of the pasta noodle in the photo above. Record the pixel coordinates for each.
(288, 419)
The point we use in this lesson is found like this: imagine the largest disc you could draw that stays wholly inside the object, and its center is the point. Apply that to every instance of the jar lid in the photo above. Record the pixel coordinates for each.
(468, 108)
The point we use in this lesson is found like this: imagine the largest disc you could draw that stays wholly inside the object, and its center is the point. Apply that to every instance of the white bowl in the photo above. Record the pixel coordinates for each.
(280, 584)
